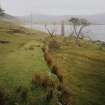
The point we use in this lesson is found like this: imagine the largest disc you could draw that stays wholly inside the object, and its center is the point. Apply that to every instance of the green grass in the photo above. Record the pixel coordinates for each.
(20, 59)
(84, 71)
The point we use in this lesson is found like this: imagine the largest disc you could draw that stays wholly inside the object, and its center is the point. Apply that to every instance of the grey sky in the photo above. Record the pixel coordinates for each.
(53, 7)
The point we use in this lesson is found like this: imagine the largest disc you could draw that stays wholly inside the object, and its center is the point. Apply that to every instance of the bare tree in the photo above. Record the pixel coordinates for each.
(53, 43)
(78, 26)
(52, 31)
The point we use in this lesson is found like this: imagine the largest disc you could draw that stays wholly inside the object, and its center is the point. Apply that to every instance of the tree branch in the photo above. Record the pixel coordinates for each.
(50, 33)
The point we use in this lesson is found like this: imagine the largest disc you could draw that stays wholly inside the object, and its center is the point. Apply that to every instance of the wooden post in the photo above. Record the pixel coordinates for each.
(62, 28)
(31, 23)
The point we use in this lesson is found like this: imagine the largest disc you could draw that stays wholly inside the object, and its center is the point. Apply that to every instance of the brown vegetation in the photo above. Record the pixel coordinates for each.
(43, 49)
(66, 96)
(54, 44)
(36, 80)
(43, 81)
(63, 93)
(58, 72)
(55, 70)
(48, 58)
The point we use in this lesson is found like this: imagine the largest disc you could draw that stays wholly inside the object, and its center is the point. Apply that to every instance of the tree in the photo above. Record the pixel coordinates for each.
(1, 11)
(51, 31)
(78, 26)
(53, 43)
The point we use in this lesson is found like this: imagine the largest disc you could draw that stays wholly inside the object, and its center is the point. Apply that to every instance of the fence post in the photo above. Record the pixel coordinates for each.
(62, 28)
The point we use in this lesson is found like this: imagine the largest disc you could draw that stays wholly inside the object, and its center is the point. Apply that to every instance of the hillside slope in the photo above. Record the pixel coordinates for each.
(21, 58)
(84, 70)
(26, 79)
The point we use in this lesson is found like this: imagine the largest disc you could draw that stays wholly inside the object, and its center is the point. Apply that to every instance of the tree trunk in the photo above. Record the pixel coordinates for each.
(78, 35)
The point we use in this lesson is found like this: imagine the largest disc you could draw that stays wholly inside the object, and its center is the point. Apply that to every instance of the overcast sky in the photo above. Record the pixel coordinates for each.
(53, 7)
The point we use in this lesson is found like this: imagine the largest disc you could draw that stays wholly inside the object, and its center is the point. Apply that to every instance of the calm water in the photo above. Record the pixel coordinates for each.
(95, 32)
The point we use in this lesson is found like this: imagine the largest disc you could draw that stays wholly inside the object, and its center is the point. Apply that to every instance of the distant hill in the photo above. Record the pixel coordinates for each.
(38, 18)
(97, 19)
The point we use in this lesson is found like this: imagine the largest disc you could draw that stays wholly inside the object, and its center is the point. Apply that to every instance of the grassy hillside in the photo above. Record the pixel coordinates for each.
(84, 70)
(26, 79)
(21, 57)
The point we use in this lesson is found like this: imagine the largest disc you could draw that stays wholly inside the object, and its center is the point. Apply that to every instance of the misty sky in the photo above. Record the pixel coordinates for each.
(53, 7)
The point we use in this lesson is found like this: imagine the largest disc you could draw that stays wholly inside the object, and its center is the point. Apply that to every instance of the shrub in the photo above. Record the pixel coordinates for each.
(21, 93)
(43, 49)
(36, 80)
(24, 94)
(43, 81)
(51, 84)
(60, 76)
(31, 47)
(53, 44)
(66, 96)
(48, 58)
(32, 100)
(22, 44)
(18, 90)
(49, 95)
(2, 97)
(54, 69)
(58, 72)
(16, 30)
(4, 42)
